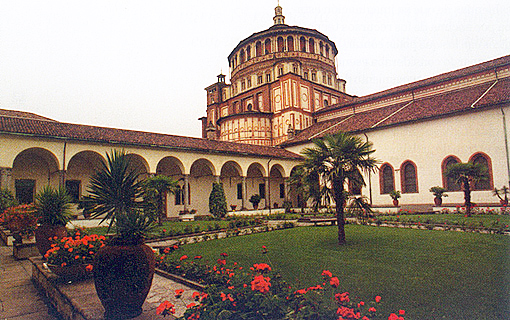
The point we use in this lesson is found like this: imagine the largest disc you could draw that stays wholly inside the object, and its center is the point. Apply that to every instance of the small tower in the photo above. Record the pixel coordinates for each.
(278, 17)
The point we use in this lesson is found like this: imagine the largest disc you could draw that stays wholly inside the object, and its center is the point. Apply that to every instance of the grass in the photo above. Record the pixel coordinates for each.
(455, 219)
(430, 274)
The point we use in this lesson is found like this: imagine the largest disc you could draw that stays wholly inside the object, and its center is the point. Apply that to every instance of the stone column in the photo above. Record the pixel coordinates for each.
(186, 191)
(6, 180)
(285, 189)
(217, 179)
(267, 180)
(245, 194)
(62, 178)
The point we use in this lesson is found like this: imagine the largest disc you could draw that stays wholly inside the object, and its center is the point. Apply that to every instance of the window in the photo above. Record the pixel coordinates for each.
(258, 49)
(314, 76)
(323, 78)
(311, 46)
(249, 83)
(483, 160)
(239, 191)
(268, 77)
(242, 56)
(329, 80)
(280, 44)
(449, 183)
(280, 71)
(179, 196)
(250, 107)
(243, 85)
(305, 75)
(259, 79)
(321, 48)
(387, 180)
(408, 178)
(325, 103)
(262, 190)
(295, 69)
(290, 44)
(267, 46)
(282, 190)
(24, 190)
(73, 189)
(248, 52)
(302, 44)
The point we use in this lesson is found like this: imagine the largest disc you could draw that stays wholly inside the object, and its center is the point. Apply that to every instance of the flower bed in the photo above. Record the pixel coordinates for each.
(232, 292)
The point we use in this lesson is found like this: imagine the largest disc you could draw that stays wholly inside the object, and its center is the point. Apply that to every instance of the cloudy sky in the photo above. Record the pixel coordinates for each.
(143, 65)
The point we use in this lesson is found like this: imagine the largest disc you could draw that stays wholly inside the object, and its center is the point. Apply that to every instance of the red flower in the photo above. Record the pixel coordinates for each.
(165, 308)
(262, 267)
(342, 297)
(198, 257)
(223, 254)
(184, 257)
(401, 312)
(372, 309)
(222, 261)
(89, 267)
(178, 293)
(327, 273)
(378, 299)
(260, 283)
(334, 282)
(191, 305)
(167, 250)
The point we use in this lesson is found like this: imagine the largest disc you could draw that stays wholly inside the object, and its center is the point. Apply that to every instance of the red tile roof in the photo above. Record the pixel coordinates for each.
(22, 114)
(441, 105)
(67, 131)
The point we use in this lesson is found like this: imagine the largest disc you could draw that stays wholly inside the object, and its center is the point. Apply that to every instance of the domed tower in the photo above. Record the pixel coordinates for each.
(279, 78)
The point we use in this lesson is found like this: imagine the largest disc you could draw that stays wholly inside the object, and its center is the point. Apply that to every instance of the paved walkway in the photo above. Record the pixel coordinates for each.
(19, 299)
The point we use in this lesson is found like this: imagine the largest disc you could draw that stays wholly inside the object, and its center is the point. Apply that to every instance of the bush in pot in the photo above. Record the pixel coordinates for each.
(439, 193)
(21, 221)
(255, 199)
(52, 206)
(395, 195)
(124, 268)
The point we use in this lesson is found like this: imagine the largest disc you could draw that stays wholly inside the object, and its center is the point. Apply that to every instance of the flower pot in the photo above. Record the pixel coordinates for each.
(438, 201)
(123, 275)
(71, 272)
(395, 202)
(255, 206)
(44, 233)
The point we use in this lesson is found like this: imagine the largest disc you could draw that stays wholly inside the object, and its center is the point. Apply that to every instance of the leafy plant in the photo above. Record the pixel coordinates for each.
(7, 200)
(395, 194)
(255, 200)
(438, 192)
(502, 194)
(155, 189)
(218, 201)
(21, 220)
(52, 206)
(464, 174)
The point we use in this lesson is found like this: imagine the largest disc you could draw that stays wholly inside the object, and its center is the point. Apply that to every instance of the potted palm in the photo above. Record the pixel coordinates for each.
(124, 268)
(439, 193)
(395, 195)
(255, 199)
(52, 206)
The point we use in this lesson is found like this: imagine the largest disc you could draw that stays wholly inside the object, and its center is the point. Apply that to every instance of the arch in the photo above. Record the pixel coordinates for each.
(231, 169)
(277, 170)
(386, 178)
(267, 46)
(258, 49)
(448, 183)
(280, 44)
(485, 160)
(290, 43)
(138, 163)
(409, 177)
(256, 170)
(202, 167)
(32, 169)
(170, 167)
(311, 45)
(248, 52)
(80, 169)
(302, 44)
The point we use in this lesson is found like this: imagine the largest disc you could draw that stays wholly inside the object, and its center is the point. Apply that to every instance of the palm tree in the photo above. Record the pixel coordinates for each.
(336, 159)
(465, 174)
(114, 189)
(155, 189)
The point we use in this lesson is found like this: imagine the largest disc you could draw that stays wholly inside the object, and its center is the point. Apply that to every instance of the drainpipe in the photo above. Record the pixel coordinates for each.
(506, 145)
(369, 178)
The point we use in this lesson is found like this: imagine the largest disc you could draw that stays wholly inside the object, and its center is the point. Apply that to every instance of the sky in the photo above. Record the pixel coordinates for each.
(143, 65)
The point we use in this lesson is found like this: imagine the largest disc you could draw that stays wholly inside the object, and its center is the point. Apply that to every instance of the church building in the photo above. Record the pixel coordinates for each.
(284, 92)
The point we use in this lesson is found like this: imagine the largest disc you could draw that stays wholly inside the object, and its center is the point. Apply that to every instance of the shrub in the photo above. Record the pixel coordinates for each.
(217, 201)
(21, 220)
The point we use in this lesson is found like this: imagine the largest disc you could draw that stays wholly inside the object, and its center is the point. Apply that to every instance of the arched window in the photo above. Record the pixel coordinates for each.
(485, 161)
(387, 179)
(449, 183)
(290, 43)
(408, 177)
(248, 52)
(281, 44)
(326, 103)
(311, 46)
(302, 44)
(327, 51)
(242, 56)
(267, 46)
(321, 48)
(258, 49)
(250, 107)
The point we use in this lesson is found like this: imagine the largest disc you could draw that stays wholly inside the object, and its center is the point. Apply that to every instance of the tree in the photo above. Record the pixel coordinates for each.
(114, 189)
(217, 201)
(465, 174)
(335, 160)
(155, 190)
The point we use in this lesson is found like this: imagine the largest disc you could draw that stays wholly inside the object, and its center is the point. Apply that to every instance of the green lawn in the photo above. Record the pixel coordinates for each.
(486, 220)
(430, 274)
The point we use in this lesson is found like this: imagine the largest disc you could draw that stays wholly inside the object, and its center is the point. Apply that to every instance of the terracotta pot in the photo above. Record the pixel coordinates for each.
(44, 233)
(438, 201)
(395, 202)
(71, 272)
(123, 275)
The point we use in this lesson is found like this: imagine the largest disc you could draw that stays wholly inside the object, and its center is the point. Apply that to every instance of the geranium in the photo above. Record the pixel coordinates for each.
(327, 273)
(165, 308)
(261, 267)
(74, 250)
(261, 284)
(343, 297)
(21, 219)
(334, 282)
(178, 293)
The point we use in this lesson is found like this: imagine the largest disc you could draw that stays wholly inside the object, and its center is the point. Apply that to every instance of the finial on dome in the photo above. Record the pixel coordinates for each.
(278, 17)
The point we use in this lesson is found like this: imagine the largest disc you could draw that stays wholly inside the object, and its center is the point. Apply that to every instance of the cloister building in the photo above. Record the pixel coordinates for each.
(285, 92)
